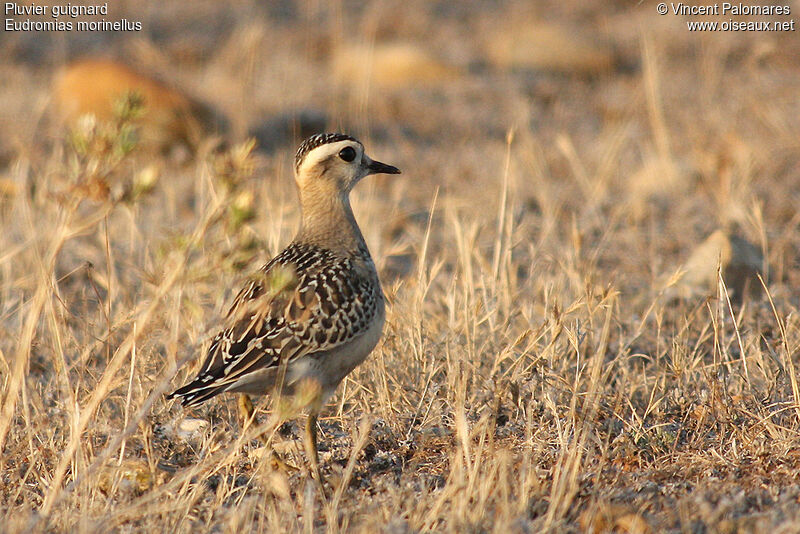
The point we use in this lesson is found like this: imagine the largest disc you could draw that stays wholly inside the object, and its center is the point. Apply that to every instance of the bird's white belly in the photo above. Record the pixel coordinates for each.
(326, 368)
(329, 368)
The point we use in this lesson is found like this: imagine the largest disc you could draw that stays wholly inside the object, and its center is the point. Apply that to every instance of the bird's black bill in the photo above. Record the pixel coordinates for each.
(376, 167)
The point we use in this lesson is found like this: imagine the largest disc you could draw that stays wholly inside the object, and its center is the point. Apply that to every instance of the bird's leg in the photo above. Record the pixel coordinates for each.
(247, 416)
(246, 411)
(310, 443)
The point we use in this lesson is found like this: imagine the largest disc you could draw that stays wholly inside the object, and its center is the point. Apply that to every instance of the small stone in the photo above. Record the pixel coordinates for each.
(189, 429)
(390, 65)
(132, 476)
(538, 45)
(740, 261)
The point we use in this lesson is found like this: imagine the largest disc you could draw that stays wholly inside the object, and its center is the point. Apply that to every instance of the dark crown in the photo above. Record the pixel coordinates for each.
(316, 141)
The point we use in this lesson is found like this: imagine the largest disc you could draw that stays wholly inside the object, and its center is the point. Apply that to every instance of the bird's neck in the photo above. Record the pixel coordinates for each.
(328, 221)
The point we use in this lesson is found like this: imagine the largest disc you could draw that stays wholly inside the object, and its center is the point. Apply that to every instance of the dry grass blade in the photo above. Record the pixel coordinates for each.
(109, 374)
(785, 346)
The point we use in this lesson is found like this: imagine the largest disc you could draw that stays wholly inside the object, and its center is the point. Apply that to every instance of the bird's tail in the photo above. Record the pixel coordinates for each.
(195, 393)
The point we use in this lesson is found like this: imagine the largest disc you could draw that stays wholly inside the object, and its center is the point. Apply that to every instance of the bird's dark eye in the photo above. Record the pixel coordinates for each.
(348, 154)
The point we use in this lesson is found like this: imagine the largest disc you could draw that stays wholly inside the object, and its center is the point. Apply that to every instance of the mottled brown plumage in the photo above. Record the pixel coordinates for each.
(306, 301)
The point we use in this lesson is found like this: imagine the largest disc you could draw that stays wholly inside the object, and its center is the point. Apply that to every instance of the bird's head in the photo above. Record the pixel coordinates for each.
(334, 162)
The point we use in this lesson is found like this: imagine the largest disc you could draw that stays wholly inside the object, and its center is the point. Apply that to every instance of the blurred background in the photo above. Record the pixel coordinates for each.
(677, 112)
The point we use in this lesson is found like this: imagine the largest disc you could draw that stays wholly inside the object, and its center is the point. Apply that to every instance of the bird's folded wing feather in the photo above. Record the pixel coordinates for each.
(280, 316)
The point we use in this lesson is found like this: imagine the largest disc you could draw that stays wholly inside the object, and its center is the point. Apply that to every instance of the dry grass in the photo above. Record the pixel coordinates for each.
(535, 374)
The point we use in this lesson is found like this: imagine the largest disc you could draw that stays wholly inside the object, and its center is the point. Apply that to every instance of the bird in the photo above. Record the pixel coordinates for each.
(316, 310)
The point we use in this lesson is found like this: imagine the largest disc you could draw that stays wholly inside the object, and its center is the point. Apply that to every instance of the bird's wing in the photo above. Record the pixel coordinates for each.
(281, 315)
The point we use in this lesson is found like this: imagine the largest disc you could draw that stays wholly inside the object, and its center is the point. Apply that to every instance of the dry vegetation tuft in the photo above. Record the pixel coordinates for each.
(537, 373)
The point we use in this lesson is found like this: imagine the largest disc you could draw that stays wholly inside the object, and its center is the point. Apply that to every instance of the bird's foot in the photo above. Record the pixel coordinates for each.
(277, 463)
